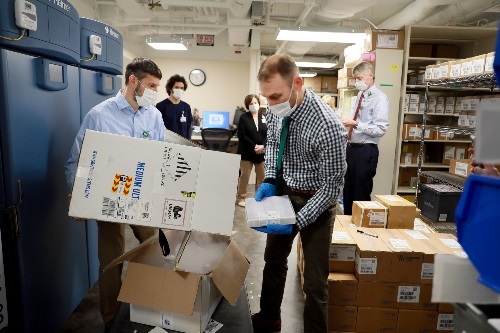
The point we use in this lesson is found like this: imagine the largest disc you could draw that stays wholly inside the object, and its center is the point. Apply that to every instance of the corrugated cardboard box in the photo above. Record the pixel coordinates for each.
(488, 63)
(428, 73)
(417, 321)
(342, 318)
(478, 64)
(466, 67)
(345, 72)
(447, 243)
(409, 153)
(421, 50)
(155, 184)
(415, 297)
(445, 51)
(414, 132)
(457, 151)
(377, 294)
(313, 83)
(417, 212)
(208, 265)
(329, 84)
(342, 251)
(376, 320)
(421, 226)
(408, 177)
(460, 167)
(373, 257)
(342, 289)
(384, 39)
(369, 214)
(406, 259)
(401, 212)
(454, 68)
(344, 221)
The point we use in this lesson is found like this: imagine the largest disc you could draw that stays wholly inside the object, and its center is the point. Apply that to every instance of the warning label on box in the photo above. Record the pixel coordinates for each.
(174, 212)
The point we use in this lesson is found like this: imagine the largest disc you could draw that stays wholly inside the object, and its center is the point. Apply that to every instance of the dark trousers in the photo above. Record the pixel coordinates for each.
(361, 168)
(315, 238)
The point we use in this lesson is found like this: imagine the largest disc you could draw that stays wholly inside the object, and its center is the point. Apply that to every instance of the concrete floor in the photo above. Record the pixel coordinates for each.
(86, 317)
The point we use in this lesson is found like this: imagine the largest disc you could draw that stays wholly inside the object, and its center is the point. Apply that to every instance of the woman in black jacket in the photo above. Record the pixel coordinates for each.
(252, 134)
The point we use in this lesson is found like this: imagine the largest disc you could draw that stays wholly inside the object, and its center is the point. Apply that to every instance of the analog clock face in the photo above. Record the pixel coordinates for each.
(197, 77)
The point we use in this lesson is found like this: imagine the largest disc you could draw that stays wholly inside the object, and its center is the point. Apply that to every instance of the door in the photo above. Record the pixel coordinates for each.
(45, 251)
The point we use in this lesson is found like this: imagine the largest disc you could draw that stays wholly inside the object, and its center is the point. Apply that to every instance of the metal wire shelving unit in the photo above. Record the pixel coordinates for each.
(475, 81)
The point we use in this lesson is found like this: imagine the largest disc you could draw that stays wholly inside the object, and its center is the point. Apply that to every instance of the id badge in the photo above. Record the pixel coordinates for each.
(183, 119)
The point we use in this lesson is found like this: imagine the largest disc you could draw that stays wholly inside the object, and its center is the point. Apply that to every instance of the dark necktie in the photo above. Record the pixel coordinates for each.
(285, 124)
(355, 117)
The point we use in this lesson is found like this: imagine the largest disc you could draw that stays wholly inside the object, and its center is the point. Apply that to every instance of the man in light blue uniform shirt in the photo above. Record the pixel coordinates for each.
(131, 113)
(366, 127)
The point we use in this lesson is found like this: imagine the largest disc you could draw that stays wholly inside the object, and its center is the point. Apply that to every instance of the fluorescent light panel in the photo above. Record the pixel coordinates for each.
(336, 35)
(307, 74)
(311, 64)
(166, 43)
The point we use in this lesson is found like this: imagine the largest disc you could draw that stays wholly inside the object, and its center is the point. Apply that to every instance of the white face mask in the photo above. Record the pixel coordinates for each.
(148, 97)
(178, 93)
(361, 85)
(254, 108)
(284, 109)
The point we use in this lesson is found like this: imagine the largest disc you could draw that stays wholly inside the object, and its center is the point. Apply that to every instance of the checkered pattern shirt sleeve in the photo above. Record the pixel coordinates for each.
(314, 157)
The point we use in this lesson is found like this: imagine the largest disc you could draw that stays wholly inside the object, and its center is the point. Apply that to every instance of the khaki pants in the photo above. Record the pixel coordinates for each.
(316, 239)
(111, 245)
(246, 170)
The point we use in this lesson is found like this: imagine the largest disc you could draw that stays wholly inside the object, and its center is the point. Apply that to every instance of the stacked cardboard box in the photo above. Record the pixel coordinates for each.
(476, 65)
(128, 180)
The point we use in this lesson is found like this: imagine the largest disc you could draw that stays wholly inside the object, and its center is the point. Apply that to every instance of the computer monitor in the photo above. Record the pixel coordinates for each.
(216, 119)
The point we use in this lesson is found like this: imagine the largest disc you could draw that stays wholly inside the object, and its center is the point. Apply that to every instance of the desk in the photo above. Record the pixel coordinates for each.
(234, 318)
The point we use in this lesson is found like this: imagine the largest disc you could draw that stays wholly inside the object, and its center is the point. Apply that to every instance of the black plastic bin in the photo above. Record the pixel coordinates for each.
(439, 201)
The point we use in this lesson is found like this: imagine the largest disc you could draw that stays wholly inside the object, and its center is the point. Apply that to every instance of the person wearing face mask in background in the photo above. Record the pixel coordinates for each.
(252, 135)
(176, 114)
(305, 159)
(368, 124)
(131, 113)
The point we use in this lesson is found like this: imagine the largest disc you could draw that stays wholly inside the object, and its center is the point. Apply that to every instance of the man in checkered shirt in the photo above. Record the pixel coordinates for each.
(313, 176)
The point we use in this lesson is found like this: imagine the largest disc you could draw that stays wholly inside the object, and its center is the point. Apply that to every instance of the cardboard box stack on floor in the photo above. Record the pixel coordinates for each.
(169, 186)
(389, 288)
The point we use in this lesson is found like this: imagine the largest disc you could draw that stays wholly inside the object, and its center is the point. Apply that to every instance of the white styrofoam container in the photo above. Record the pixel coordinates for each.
(275, 210)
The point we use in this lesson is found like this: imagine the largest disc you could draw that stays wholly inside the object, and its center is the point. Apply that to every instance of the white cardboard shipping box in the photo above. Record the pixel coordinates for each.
(157, 184)
(181, 291)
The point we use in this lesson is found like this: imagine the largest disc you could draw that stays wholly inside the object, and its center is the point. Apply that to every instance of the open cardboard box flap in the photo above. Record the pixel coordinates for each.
(151, 280)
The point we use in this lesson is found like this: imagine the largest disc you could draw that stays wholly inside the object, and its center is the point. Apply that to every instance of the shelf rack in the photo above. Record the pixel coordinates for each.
(445, 178)
(474, 81)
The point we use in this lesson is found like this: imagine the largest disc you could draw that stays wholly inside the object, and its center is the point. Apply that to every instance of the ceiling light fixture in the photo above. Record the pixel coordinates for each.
(167, 43)
(314, 64)
(327, 35)
(308, 74)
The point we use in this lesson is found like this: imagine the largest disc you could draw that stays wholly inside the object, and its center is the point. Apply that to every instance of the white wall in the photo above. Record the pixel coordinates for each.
(225, 88)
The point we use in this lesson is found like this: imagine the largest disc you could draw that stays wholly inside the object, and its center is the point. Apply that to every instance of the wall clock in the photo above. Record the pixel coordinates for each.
(197, 77)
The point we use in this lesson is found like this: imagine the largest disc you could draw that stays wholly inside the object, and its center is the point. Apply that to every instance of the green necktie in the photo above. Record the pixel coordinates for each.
(285, 124)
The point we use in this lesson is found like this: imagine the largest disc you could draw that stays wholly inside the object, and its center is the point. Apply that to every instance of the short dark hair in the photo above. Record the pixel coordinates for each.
(171, 82)
(248, 100)
(281, 64)
(140, 67)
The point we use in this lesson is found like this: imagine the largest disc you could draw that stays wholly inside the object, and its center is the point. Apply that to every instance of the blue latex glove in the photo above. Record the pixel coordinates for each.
(276, 229)
(265, 190)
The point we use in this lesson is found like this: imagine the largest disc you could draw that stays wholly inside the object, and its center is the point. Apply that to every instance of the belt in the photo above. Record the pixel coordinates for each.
(310, 192)
(354, 144)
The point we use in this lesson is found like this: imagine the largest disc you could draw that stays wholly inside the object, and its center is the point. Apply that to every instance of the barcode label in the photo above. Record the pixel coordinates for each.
(119, 208)
(427, 271)
(377, 218)
(445, 322)
(340, 236)
(399, 243)
(370, 204)
(145, 210)
(391, 197)
(365, 265)
(409, 294)
(342, 252)
(416, 234)
(451, 243)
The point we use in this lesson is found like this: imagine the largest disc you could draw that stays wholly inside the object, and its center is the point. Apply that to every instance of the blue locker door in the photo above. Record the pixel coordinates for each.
(95, 87)
(39, 119)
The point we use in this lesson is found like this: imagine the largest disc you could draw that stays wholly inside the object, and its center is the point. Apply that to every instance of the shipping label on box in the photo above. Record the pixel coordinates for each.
(436, 72)
(454, 68)
(428, 73)
(463, 121)
(466, 67)
(407, 99)
(488, 64)
(443, 69)
(460, 167)
(446, 322)
(413, 108)
(458, 104)
(415, 297)
(478, 64)
(157, 184)
(421, 107)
